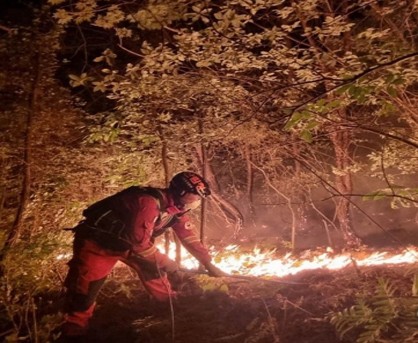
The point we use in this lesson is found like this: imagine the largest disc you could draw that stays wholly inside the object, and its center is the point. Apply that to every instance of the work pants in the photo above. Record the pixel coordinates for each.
(89, 268)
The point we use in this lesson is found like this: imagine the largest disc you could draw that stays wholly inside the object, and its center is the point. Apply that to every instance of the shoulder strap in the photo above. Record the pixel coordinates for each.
(103, 205)
(154, 192)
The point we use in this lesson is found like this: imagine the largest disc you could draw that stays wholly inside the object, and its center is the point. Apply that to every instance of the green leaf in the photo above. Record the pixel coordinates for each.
(343, 88)
(296, 118)
(354, 91)
(392, 91)
(333, 104)
(377, 195)
(306, 135)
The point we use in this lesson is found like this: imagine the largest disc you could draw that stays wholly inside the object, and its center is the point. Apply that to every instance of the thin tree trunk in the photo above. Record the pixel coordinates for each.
(203, 168)
(203, 212)
(224, 204)
(250, 182)
(3, 190)
(16, 229)
(164, 160)
(341, 141)
(289, 205)
(300, 209)
(26, 184)
(167, 235)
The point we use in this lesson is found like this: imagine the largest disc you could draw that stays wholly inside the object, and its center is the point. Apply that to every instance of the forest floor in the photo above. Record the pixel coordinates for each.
(235, 311)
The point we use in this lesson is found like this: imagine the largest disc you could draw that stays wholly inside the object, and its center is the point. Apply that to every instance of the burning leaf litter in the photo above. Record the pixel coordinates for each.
(257, 262)
(233, 259)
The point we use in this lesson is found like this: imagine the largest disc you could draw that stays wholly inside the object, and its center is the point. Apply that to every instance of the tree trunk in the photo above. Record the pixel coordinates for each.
(204, 168)
(33, 105)
(229, 209)
(203, 212)
(250, 183)
(341, 140)
(164, 161)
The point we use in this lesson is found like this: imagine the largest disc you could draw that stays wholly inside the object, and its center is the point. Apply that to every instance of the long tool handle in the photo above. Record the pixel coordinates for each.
(244, 277)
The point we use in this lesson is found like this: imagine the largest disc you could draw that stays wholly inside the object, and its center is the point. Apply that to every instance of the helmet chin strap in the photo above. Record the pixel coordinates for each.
(180, 206)
(192, 205)
(177, 206)
(177, 202)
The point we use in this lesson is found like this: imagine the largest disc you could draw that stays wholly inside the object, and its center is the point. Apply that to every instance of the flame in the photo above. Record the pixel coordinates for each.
(233, 260)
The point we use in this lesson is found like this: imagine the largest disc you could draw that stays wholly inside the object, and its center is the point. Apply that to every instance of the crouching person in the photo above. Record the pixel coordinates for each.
(121, 228)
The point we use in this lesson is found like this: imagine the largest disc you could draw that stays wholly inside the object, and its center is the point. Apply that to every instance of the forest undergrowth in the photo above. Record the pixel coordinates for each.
(318, 307)
(353, 304)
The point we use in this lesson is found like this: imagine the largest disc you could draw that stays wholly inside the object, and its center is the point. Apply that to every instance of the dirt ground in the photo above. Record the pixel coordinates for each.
(234, 311)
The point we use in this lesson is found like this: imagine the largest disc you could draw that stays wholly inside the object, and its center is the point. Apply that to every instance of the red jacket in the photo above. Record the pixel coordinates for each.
(145, 213)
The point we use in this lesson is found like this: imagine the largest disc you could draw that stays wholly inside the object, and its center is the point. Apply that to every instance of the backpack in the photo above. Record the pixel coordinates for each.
(104, 226)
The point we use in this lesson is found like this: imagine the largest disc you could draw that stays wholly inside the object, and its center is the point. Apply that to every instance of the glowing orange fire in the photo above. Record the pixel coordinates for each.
(233, 260)
(268, 263)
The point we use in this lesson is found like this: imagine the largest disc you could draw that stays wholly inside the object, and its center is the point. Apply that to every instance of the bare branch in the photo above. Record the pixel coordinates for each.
(347, 196)
(7, 29)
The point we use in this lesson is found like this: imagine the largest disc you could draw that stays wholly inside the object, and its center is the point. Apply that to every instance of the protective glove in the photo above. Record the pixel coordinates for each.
(214, 271)
(170, 266)
(177, 278)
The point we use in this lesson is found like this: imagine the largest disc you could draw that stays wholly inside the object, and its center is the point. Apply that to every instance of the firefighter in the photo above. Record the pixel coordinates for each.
(122, 227)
